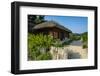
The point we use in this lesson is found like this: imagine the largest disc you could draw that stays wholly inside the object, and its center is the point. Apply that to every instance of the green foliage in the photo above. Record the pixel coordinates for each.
(57, 43)
(35, 43)
(45, 56)
(85, 46)
(84, 37)
(39, 19)
(75, 36)
(67, 42)
(35, 19)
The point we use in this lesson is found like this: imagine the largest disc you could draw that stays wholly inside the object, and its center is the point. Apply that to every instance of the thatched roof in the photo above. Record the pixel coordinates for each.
(49, 24)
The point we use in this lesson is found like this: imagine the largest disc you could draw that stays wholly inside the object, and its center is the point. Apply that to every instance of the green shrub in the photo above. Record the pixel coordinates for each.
(85, 40)
(75, 37)
(35, 43)
(45, 56)
(57, 43)
(84, 46)
(84, 37)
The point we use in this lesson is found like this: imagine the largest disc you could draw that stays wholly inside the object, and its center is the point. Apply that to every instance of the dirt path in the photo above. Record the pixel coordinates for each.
(77, 51)
(76, 47)
(76, 43)
(72, 51)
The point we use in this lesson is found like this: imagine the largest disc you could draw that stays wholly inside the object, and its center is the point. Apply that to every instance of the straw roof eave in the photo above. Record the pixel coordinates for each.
(50, 24)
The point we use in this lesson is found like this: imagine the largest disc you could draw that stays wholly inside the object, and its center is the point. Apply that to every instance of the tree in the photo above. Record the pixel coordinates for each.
(39, 19)
(34, 20)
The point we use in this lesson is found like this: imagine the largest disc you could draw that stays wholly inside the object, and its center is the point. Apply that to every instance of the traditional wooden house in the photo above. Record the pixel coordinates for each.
(52, 28)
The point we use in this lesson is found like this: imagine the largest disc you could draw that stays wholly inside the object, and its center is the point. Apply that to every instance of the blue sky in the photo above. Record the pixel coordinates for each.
(75, 23)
